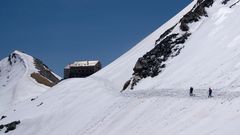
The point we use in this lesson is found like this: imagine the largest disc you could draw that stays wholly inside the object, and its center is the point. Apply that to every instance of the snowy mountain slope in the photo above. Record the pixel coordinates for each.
(92, 110)
(16, 83)
(220, 17)
(127, 61)
(159, 105)
(210, 57)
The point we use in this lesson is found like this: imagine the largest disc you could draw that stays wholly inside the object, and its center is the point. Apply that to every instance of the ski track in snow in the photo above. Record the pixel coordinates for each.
(200, 94)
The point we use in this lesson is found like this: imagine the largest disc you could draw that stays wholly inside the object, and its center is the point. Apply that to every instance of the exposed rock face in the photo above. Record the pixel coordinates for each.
(168, 45)
(44, 75)
(42, 80)
(195, 14)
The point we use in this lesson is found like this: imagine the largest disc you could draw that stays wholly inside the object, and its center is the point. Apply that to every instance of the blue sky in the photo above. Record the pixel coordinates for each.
(61, 31)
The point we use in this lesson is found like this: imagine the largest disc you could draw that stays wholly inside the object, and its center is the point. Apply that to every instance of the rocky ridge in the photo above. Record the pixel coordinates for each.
(169, 45)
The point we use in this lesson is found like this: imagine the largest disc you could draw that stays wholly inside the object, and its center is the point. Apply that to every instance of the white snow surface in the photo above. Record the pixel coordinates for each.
(16, 84)
(158, 106)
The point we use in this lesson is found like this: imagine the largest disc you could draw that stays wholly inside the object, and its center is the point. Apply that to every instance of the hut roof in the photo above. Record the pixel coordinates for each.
(83, 63)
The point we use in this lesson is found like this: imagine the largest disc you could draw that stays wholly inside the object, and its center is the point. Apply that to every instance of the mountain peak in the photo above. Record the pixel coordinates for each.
(16, 57)
(38, 70)
(23, 76)
(18, 52)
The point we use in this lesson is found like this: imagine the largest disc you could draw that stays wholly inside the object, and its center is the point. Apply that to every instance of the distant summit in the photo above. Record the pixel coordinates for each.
(23, 76)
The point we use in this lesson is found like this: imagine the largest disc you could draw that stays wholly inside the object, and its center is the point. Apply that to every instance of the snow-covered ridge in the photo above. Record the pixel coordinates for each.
(35, 67)
(21, 78)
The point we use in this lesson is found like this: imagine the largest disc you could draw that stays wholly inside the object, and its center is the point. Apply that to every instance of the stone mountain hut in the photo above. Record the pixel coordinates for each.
(81, 69)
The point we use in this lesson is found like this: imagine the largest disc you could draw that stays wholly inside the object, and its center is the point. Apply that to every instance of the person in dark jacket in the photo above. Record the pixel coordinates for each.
(210, 93)
(191, 91)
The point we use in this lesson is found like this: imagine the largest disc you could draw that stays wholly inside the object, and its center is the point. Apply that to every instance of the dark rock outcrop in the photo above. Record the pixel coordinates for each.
(12, 58)
(1, 127)
(126, 85)
(165, 34)
(10, 126)
(195, 14)
(168, 45)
